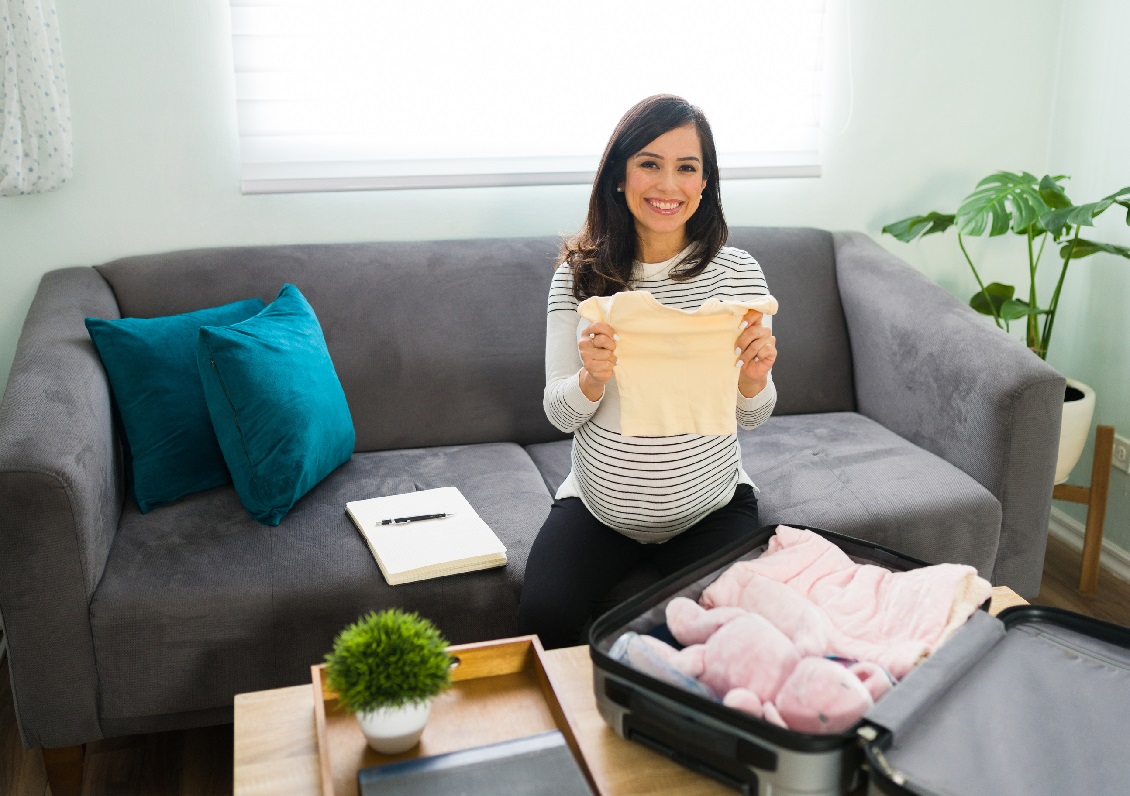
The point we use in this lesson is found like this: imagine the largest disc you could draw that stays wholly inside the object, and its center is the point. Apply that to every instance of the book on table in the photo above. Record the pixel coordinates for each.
(531, 766)
(408, 548)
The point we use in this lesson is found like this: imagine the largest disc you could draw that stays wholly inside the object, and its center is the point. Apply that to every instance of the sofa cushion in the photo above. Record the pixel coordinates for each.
(199, 602)
(844, 472)
(151, 366)
(276, 404)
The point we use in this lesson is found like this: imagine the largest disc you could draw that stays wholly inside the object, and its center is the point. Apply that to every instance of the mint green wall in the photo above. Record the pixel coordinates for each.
(940, 95)
(1090, 131)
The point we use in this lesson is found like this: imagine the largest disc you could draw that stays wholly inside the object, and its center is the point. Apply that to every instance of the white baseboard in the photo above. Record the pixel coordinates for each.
(1070, 531)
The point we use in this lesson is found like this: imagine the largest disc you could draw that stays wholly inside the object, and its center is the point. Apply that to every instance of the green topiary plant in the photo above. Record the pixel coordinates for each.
(388, 660)
(1035, 209)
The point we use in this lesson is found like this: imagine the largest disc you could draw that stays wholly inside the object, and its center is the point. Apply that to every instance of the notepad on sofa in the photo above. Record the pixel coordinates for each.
(410, 551)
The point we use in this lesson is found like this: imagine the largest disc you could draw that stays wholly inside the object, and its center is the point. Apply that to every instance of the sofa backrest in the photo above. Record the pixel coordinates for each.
(435, 343)
(814, 369)
(443, 342)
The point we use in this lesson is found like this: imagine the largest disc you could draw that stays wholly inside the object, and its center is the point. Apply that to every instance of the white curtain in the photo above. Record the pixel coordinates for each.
(35, 117)
(363, 95)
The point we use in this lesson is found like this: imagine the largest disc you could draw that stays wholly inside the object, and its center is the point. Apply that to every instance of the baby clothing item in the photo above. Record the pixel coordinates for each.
(675, 369)
(648, 488)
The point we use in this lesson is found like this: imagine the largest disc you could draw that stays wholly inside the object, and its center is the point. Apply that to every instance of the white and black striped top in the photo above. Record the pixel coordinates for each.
(648, 488)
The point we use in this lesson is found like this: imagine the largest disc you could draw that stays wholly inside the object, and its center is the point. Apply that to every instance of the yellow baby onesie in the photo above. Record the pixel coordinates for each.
(675, 369)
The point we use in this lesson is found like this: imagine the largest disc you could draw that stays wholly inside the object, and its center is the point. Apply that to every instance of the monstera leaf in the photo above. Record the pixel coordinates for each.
(1003, 201)
(908, 229)
(1082, 248)
(1062, 216)
(997, 299)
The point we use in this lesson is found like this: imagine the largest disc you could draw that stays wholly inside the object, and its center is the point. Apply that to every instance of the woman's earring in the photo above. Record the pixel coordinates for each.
(619, 189)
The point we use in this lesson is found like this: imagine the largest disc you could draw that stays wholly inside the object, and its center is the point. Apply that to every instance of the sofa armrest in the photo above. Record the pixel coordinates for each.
(930, 369)
(60, 500)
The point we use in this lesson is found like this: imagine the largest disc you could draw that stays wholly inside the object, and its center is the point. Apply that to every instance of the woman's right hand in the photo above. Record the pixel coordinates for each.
(598, 358)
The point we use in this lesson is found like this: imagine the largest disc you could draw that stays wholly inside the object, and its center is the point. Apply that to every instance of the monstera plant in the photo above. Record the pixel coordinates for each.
(1038, 210)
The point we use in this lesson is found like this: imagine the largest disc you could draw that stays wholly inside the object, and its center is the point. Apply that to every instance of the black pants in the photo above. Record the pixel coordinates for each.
(576, 560)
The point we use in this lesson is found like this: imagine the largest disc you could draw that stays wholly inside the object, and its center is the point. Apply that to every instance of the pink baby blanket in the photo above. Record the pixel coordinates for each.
(865, 612)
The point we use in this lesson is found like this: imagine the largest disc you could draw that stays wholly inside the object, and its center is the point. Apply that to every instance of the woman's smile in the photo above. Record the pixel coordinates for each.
(664, 207)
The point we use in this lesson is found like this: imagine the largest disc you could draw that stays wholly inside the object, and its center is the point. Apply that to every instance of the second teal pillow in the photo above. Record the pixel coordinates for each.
(276, 404)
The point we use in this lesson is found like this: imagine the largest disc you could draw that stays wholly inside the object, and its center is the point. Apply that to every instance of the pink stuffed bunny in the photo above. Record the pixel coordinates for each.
(751, 665)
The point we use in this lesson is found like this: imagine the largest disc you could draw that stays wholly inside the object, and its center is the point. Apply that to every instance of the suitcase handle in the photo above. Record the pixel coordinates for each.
(720, 754)
(747, 786)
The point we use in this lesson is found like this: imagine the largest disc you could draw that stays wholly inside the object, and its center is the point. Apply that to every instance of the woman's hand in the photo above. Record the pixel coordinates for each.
(598, 355)
(756, 351)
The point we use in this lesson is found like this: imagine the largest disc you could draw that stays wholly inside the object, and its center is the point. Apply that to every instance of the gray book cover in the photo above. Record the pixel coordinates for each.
(530, 766)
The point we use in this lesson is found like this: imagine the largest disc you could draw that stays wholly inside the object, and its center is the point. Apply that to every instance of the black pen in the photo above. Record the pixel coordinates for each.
(416, 518)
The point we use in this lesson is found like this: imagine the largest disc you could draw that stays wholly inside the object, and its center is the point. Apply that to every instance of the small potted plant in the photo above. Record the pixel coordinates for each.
(386, 668)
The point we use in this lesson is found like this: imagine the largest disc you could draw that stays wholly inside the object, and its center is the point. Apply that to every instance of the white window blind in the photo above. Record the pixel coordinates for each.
(368, 94)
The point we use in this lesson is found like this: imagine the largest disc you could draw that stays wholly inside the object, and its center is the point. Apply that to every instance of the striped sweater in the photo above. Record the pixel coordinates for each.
(648, 488)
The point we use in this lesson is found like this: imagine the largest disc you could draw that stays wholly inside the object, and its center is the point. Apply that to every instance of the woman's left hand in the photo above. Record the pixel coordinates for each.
(756, 351)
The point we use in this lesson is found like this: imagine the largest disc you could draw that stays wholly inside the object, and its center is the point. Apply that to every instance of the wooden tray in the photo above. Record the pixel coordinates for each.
(500, 692)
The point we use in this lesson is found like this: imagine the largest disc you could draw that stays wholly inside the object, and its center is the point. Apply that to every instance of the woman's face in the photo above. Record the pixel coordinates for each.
(663, 183)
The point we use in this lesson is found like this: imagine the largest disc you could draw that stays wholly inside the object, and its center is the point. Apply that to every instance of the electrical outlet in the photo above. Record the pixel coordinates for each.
(1121, 457)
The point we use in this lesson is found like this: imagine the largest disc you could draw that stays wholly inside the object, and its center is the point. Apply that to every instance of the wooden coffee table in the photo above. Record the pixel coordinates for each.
(276, 747)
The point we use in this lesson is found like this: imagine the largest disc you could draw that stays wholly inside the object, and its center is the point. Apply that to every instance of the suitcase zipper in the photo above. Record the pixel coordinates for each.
(1083, 652)
(869, 735)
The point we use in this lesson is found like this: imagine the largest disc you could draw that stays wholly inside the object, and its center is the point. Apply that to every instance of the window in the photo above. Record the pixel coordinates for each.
(368, 94)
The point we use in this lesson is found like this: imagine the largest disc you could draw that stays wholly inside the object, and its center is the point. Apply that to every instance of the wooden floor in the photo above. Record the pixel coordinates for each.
(199, 762)
(1110, 601)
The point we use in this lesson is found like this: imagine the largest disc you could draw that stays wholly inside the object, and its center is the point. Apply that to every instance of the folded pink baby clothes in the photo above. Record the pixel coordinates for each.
(893, 619)
(675, 369)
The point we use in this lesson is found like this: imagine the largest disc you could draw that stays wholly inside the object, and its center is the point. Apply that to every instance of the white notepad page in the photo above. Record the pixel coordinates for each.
(458, 543)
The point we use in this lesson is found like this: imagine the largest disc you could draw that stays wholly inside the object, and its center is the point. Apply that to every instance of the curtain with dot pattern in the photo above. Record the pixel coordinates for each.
(36, 153)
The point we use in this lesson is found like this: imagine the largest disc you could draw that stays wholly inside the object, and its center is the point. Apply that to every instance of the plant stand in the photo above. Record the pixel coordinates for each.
(1094, 497)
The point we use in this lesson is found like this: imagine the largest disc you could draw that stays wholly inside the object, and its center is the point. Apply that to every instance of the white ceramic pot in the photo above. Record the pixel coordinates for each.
(394, 730)
(1074, 430)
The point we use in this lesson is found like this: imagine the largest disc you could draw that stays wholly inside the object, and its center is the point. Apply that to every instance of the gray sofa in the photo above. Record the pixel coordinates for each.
(903, 418)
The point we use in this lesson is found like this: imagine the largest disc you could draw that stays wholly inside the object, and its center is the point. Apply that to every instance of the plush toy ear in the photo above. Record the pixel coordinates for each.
(690, 623)
(822, 696)
(648, 652)
(874, 678)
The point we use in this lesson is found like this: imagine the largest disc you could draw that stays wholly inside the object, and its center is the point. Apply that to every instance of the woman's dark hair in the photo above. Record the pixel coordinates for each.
(602, 255)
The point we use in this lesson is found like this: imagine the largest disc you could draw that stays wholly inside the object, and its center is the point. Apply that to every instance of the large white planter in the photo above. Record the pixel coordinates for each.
(1075, 428)
(394, 730)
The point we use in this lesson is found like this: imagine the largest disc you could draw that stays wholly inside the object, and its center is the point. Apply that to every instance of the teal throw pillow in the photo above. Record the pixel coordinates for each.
(278, 408)
(151, 366)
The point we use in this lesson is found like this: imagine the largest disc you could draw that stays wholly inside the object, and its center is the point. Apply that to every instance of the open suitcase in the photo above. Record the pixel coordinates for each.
(1023, 703)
